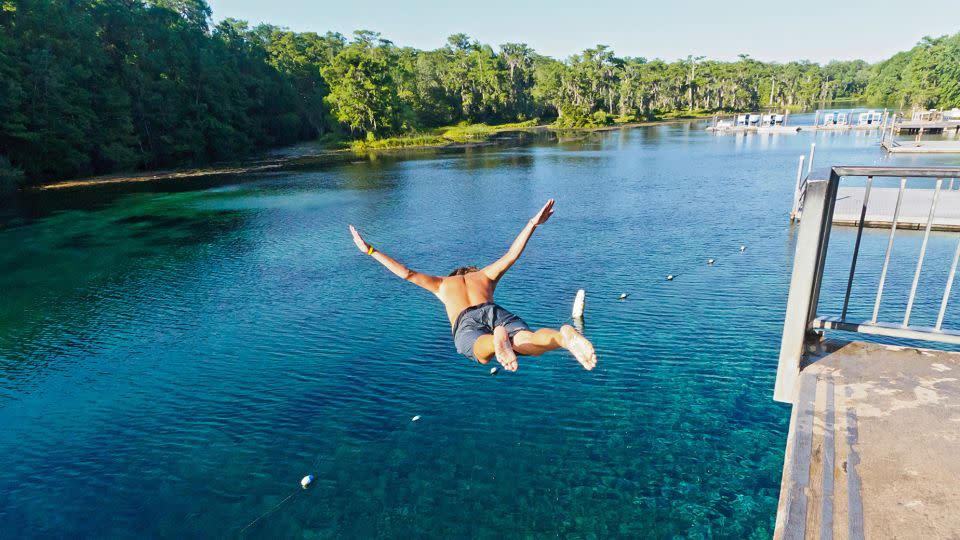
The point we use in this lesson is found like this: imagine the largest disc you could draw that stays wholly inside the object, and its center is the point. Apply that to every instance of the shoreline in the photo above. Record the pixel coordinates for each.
(289, 157)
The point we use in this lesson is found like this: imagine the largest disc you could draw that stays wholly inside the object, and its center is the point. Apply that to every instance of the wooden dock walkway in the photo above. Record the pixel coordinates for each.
(922, 147)
(927, 126)
(913, 214)
(873, 445)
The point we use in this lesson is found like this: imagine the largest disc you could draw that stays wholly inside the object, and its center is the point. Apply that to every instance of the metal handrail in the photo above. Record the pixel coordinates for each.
(819, 200)
(800, 190)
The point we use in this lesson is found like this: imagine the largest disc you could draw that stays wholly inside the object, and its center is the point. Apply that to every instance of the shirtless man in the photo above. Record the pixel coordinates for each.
(481, 328)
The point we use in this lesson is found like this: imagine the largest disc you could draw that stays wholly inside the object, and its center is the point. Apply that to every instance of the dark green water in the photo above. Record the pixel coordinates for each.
(174, 358)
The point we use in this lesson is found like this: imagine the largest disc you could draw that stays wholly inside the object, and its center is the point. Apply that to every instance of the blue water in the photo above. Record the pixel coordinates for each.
(175, 357)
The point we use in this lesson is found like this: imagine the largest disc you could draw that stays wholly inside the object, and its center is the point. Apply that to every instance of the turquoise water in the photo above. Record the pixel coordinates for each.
(174, 358)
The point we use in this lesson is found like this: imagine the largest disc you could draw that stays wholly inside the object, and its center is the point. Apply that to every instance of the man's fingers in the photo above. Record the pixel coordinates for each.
(357, 239)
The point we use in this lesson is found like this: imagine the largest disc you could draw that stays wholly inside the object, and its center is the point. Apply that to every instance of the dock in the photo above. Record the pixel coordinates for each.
(790, 129)
(872, 446)
(921, 147)
(926, 126)
(874, 432)
(754, 129)
(914, 209)
(915, 203)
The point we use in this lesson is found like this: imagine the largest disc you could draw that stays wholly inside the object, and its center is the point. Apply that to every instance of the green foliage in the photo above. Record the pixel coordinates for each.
(10, 177)
(363, 95)
(461, 133)
(112, 85)
(926, 76)
(398, 142)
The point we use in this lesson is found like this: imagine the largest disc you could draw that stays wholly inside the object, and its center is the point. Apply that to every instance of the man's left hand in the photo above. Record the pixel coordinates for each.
(544, 214)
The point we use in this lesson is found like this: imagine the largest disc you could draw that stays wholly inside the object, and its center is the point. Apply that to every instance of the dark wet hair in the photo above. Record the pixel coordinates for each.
(464, 270)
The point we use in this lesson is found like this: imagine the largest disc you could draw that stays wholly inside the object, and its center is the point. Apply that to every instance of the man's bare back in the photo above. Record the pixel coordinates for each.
(460, 292)
(481, 328)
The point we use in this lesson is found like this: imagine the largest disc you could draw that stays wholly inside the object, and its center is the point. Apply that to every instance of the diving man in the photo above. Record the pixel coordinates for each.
(481, 328)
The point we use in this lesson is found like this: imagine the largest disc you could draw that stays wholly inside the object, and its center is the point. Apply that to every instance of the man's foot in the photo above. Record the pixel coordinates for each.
(504, 349)
(579, 346)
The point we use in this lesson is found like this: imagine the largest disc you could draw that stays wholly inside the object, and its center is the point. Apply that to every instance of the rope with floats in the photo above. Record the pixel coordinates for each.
(576, 318)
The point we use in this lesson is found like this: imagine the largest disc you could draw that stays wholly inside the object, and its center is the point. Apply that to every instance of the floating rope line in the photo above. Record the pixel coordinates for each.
(571, 319)
(268, 512)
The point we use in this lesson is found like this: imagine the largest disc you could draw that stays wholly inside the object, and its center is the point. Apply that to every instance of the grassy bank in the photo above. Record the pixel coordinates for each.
(461, 133)
(473, 133)
(332, 149)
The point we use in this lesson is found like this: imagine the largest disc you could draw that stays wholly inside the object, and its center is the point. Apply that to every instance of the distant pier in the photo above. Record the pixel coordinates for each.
(778, 123)
(920, 147)
(910, 207)
(932, 122)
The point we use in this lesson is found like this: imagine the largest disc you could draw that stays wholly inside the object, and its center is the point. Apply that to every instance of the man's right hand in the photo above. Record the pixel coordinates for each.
(544, 214)
(358, 240)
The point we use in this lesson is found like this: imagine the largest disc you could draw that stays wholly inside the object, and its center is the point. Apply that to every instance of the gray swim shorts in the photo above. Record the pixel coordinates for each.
(480, 320)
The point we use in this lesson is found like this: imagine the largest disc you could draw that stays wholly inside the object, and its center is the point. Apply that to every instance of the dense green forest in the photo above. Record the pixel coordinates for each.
(97, 86)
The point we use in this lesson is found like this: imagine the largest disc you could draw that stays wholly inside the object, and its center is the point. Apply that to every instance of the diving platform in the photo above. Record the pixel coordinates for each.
(872, 446)
(874, 432)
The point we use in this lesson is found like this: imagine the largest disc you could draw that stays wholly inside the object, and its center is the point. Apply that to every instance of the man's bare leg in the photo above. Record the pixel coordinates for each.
(497, 345)
(536, 343)
(547, 339)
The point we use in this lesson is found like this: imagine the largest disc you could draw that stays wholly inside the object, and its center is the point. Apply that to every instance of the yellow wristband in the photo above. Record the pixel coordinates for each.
(370, 250)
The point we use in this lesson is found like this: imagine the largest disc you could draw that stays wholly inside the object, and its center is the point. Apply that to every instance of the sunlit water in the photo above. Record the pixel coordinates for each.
(175, 358)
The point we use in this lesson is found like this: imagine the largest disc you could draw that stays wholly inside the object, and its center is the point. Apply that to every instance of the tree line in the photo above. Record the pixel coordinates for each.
(98, 86)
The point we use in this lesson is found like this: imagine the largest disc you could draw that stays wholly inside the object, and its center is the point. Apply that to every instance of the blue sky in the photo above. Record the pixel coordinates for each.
(817, 30)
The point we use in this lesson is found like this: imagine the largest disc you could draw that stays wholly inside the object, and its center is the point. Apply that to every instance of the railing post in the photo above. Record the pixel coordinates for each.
(831, 199)
(797, 190)
(813, 149)
(812, 241)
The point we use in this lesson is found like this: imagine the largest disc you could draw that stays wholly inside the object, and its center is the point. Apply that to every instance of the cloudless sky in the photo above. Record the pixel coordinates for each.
(817, 30)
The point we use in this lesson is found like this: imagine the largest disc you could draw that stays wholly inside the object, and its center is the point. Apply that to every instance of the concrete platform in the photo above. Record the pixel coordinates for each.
(874, 445)
(913, 215)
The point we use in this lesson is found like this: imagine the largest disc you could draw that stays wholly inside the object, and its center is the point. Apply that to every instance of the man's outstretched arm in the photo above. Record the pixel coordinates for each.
(428, 282)
(496, 270)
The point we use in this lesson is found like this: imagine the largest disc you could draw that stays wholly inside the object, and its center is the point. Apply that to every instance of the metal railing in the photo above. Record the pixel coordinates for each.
(800, 189)
(802, 318)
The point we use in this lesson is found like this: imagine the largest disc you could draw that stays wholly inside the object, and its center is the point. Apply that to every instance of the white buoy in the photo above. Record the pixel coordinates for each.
(493, 371)
(711, 261)
(415, 418)
(669, 277)
(578, 302)
(623, 296)
(306, 481)
(743, 248)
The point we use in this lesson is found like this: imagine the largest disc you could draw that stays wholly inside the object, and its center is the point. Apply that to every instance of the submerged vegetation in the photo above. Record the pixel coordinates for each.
(110, 85)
